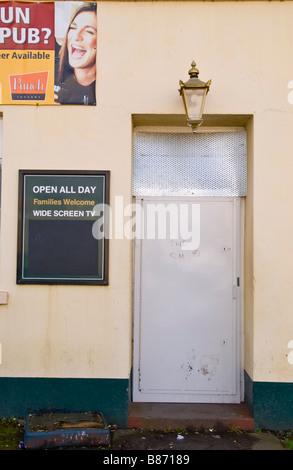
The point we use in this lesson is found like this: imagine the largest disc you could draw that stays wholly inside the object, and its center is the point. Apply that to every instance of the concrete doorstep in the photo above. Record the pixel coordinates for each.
(162, 416)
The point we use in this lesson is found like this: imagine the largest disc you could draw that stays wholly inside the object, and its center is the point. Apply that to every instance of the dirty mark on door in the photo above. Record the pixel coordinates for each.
(208, 365)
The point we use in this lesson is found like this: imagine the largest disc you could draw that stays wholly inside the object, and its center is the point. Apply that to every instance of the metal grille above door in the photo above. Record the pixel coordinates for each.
(181, 164)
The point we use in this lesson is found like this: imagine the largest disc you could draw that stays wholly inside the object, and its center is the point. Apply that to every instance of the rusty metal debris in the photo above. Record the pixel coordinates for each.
(66, 429)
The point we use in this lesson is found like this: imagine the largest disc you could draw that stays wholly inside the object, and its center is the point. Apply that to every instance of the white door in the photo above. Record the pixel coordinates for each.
(186, 319)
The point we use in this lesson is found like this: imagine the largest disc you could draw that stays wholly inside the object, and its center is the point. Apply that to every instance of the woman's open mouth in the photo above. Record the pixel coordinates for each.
(77, 52)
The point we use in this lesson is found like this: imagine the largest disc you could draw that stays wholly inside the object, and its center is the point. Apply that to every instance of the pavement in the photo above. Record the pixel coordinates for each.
(144, 442)
(184, 440)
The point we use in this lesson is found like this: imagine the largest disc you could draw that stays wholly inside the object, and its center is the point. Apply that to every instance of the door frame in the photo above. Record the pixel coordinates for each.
(238, 235)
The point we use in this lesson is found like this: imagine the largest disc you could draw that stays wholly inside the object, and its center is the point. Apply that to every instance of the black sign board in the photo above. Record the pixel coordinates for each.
(56, 240)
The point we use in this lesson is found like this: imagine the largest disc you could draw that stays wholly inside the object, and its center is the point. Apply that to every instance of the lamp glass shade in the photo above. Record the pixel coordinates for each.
(194, 102)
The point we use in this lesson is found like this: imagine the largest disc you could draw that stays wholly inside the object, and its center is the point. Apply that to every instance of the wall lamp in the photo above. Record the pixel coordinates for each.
(194, 93)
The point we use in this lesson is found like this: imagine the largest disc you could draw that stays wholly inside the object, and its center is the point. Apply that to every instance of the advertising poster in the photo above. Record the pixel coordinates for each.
(48, 53)
(57, 212)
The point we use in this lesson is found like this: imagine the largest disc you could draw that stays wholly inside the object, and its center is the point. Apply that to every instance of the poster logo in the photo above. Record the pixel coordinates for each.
(29, 86)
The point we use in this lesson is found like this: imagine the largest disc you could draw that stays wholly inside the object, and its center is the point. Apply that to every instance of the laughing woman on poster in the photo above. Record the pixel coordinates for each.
(76, 79)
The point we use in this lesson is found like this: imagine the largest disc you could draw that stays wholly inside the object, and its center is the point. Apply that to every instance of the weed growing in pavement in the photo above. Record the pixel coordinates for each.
(287, 440)
(235, 430)
(11, 434)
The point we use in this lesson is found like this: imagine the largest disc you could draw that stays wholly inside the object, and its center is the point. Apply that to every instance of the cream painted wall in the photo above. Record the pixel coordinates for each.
(273, 232)
(144, 49)
(65, 331)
